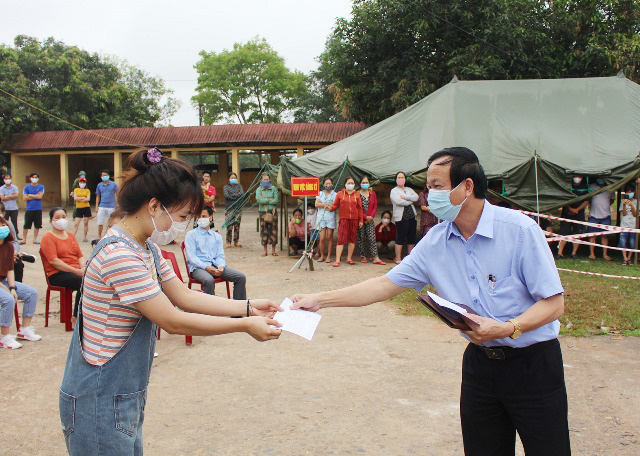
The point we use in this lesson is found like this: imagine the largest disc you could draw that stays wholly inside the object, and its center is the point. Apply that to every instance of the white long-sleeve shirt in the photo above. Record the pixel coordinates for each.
(399, 203)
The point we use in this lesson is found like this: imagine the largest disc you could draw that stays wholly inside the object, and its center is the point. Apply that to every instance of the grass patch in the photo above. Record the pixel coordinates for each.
(593, 305)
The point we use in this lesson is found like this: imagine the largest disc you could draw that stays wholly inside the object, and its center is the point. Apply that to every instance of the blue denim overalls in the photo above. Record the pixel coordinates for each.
(102, 407)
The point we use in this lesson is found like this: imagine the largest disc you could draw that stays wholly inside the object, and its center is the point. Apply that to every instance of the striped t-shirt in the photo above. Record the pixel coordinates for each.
(116, 279)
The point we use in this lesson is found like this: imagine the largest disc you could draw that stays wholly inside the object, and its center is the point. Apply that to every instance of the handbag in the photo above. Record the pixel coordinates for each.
(268, 217)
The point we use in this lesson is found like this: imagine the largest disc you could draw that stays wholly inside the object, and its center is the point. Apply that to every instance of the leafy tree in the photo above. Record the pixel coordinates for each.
(249, 84)
(392, 53)
(86, 89)
(318, 103)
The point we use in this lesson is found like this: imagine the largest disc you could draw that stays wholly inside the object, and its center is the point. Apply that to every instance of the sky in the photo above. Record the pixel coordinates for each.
(164, 37)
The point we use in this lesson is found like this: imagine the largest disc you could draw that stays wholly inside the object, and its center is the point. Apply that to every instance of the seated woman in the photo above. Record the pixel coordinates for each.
(296, 232)
(386, 235)
(64, 263)
(10, 292)
(19, 258)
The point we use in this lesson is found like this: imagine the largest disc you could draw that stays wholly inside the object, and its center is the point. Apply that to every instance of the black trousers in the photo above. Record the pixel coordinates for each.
(68, 280)
(18, 270)
(13, 216)
(524, 393)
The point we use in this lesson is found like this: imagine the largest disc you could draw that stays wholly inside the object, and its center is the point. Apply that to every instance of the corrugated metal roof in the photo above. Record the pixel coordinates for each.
(205, 136)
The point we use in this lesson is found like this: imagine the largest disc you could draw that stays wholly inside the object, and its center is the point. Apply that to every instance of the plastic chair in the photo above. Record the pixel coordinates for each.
(194, 281)
(17, 317)
(66, 297)
(169, 256)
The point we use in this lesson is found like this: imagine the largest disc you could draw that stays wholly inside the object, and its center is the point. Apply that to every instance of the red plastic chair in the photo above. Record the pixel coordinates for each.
(193, 281)
(169, 256)
(17, 317)
(66, 298)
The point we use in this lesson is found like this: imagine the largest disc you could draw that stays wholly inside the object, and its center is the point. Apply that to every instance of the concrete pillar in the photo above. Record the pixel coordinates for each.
(117, 165)
(64, 178)
(300, 151)
(275, 158)
(235, 161)
(174, 153)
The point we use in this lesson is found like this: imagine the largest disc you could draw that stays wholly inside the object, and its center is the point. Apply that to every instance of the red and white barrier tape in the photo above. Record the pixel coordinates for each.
(571, 237)
(599, 245)
(618, 229)
(598, 274)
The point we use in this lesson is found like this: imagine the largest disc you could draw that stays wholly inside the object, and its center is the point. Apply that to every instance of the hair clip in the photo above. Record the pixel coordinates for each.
(154, 155)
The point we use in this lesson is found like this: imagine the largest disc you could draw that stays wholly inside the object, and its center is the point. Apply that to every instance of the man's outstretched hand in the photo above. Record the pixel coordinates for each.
(308, 302)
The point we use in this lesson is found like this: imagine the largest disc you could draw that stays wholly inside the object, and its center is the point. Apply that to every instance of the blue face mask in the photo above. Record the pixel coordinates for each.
(4, 232)
(105, 178)
(266, 184)
(441, 206)
(364, 186)
(233, 181)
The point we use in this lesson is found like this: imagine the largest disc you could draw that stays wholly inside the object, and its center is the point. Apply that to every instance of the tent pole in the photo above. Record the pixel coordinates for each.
(637, 236)
(535, 158)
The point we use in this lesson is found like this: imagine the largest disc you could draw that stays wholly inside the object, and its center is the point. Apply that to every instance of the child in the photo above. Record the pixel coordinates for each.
(314, 234)
(296, 232)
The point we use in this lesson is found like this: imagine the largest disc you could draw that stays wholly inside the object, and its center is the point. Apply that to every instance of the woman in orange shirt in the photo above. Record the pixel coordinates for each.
(63, 259)
(351, 218)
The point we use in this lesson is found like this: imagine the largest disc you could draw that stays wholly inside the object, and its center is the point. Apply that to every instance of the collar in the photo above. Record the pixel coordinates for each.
(206, 231)
(485, 224)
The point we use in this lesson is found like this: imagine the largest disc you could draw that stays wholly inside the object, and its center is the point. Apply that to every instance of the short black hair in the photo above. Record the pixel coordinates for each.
(53, 211)
(297, 209)
(327, 179)
(5, 175)
(34, 175)
(232, 174)
(206, 172)
(464, 165)
(386, 212)
(209, 210)
(311, 204)
(2, 208)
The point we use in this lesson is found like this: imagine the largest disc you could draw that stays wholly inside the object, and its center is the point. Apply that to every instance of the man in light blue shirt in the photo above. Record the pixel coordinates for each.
(106, 193)
(496, 261)
(206, 260)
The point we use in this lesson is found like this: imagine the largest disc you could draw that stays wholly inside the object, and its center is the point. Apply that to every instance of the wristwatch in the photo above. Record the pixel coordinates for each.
(13, 288)
(517, 332)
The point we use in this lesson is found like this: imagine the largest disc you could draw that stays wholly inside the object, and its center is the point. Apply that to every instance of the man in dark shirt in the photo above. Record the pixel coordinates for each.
(573, 212)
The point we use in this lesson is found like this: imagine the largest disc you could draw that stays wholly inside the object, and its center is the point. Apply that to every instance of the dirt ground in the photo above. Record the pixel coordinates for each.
(371, 381)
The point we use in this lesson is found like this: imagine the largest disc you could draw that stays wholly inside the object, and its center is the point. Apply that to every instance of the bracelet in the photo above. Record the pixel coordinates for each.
(248, 307)
(13, 288)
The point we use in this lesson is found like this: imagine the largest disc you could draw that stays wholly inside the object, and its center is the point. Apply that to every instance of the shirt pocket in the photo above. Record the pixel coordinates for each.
(67, 405)
(129, 411)
(507, 296)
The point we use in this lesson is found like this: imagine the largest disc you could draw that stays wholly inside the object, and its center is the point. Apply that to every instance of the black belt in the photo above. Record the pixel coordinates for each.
(502, 353)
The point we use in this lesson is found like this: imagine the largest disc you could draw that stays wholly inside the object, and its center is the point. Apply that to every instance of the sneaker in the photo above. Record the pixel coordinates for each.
(27, 333)
(85, 240)
(9, 342)
(28, 258)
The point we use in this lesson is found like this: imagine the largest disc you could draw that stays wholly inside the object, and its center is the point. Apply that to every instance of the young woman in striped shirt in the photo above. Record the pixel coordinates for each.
(129, 289)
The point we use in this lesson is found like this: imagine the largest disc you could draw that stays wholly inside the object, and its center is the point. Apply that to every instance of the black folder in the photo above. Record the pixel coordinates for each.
(452, 318)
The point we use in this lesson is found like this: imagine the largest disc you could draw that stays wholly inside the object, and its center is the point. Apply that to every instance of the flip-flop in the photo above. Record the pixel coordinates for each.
(381, 263)
(397, 262)
(336, 264)
(275, 254)
(351, 262)
(264, 254)
(364, 261)
(328, 260)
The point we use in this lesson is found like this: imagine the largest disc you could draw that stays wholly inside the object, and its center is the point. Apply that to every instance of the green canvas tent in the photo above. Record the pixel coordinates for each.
(532, 135)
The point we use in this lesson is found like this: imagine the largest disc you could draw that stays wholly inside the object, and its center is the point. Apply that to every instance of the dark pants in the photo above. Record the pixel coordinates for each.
(238, 279)
(13, 216)
(524, 393)
(68, 280)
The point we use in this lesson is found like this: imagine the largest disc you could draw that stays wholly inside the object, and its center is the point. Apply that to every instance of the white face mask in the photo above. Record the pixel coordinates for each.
(34, 180)
(350, 186)
(7, 181)
(386, 221)
(167, 237)
(60, 224)
(311, 211)
(577, 180)
(203, 222)
(82, 185)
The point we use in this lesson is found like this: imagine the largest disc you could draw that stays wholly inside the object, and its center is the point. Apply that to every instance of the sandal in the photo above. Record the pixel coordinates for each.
(328, 260)
(263, 254)
(608, 258)
(336, 264)
(351, 262)
(364, 261)
(274, 254)
(238, 245)
(380, 262)
(228, 245)
(397, 262)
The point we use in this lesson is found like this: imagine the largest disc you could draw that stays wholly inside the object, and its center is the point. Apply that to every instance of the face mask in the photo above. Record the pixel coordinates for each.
(7, 181)
(4, 232)
(34, 180)
(105, 178)
(577, 180)
(298, 221)
(233, 181)
(167, 237)
(441, 206)
(311, 211)
(364, 186)
(600, 182)
(350, 186)
(630, 195)
(328, 187)
(265, 184)
(203, 222)
(401, 181)
(60, 224)
(385, 221)
(82, 185)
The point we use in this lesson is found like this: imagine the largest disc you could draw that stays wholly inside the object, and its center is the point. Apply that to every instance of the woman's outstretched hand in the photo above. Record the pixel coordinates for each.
(264, 308)
(261, 328)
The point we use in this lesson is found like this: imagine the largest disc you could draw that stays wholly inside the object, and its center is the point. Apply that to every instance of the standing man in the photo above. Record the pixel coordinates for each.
(32, 194)
(105, 199)
(599, 212)
(497, 261)
(575, 212)
(205, 258)
(208, 190)
(9, 196)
